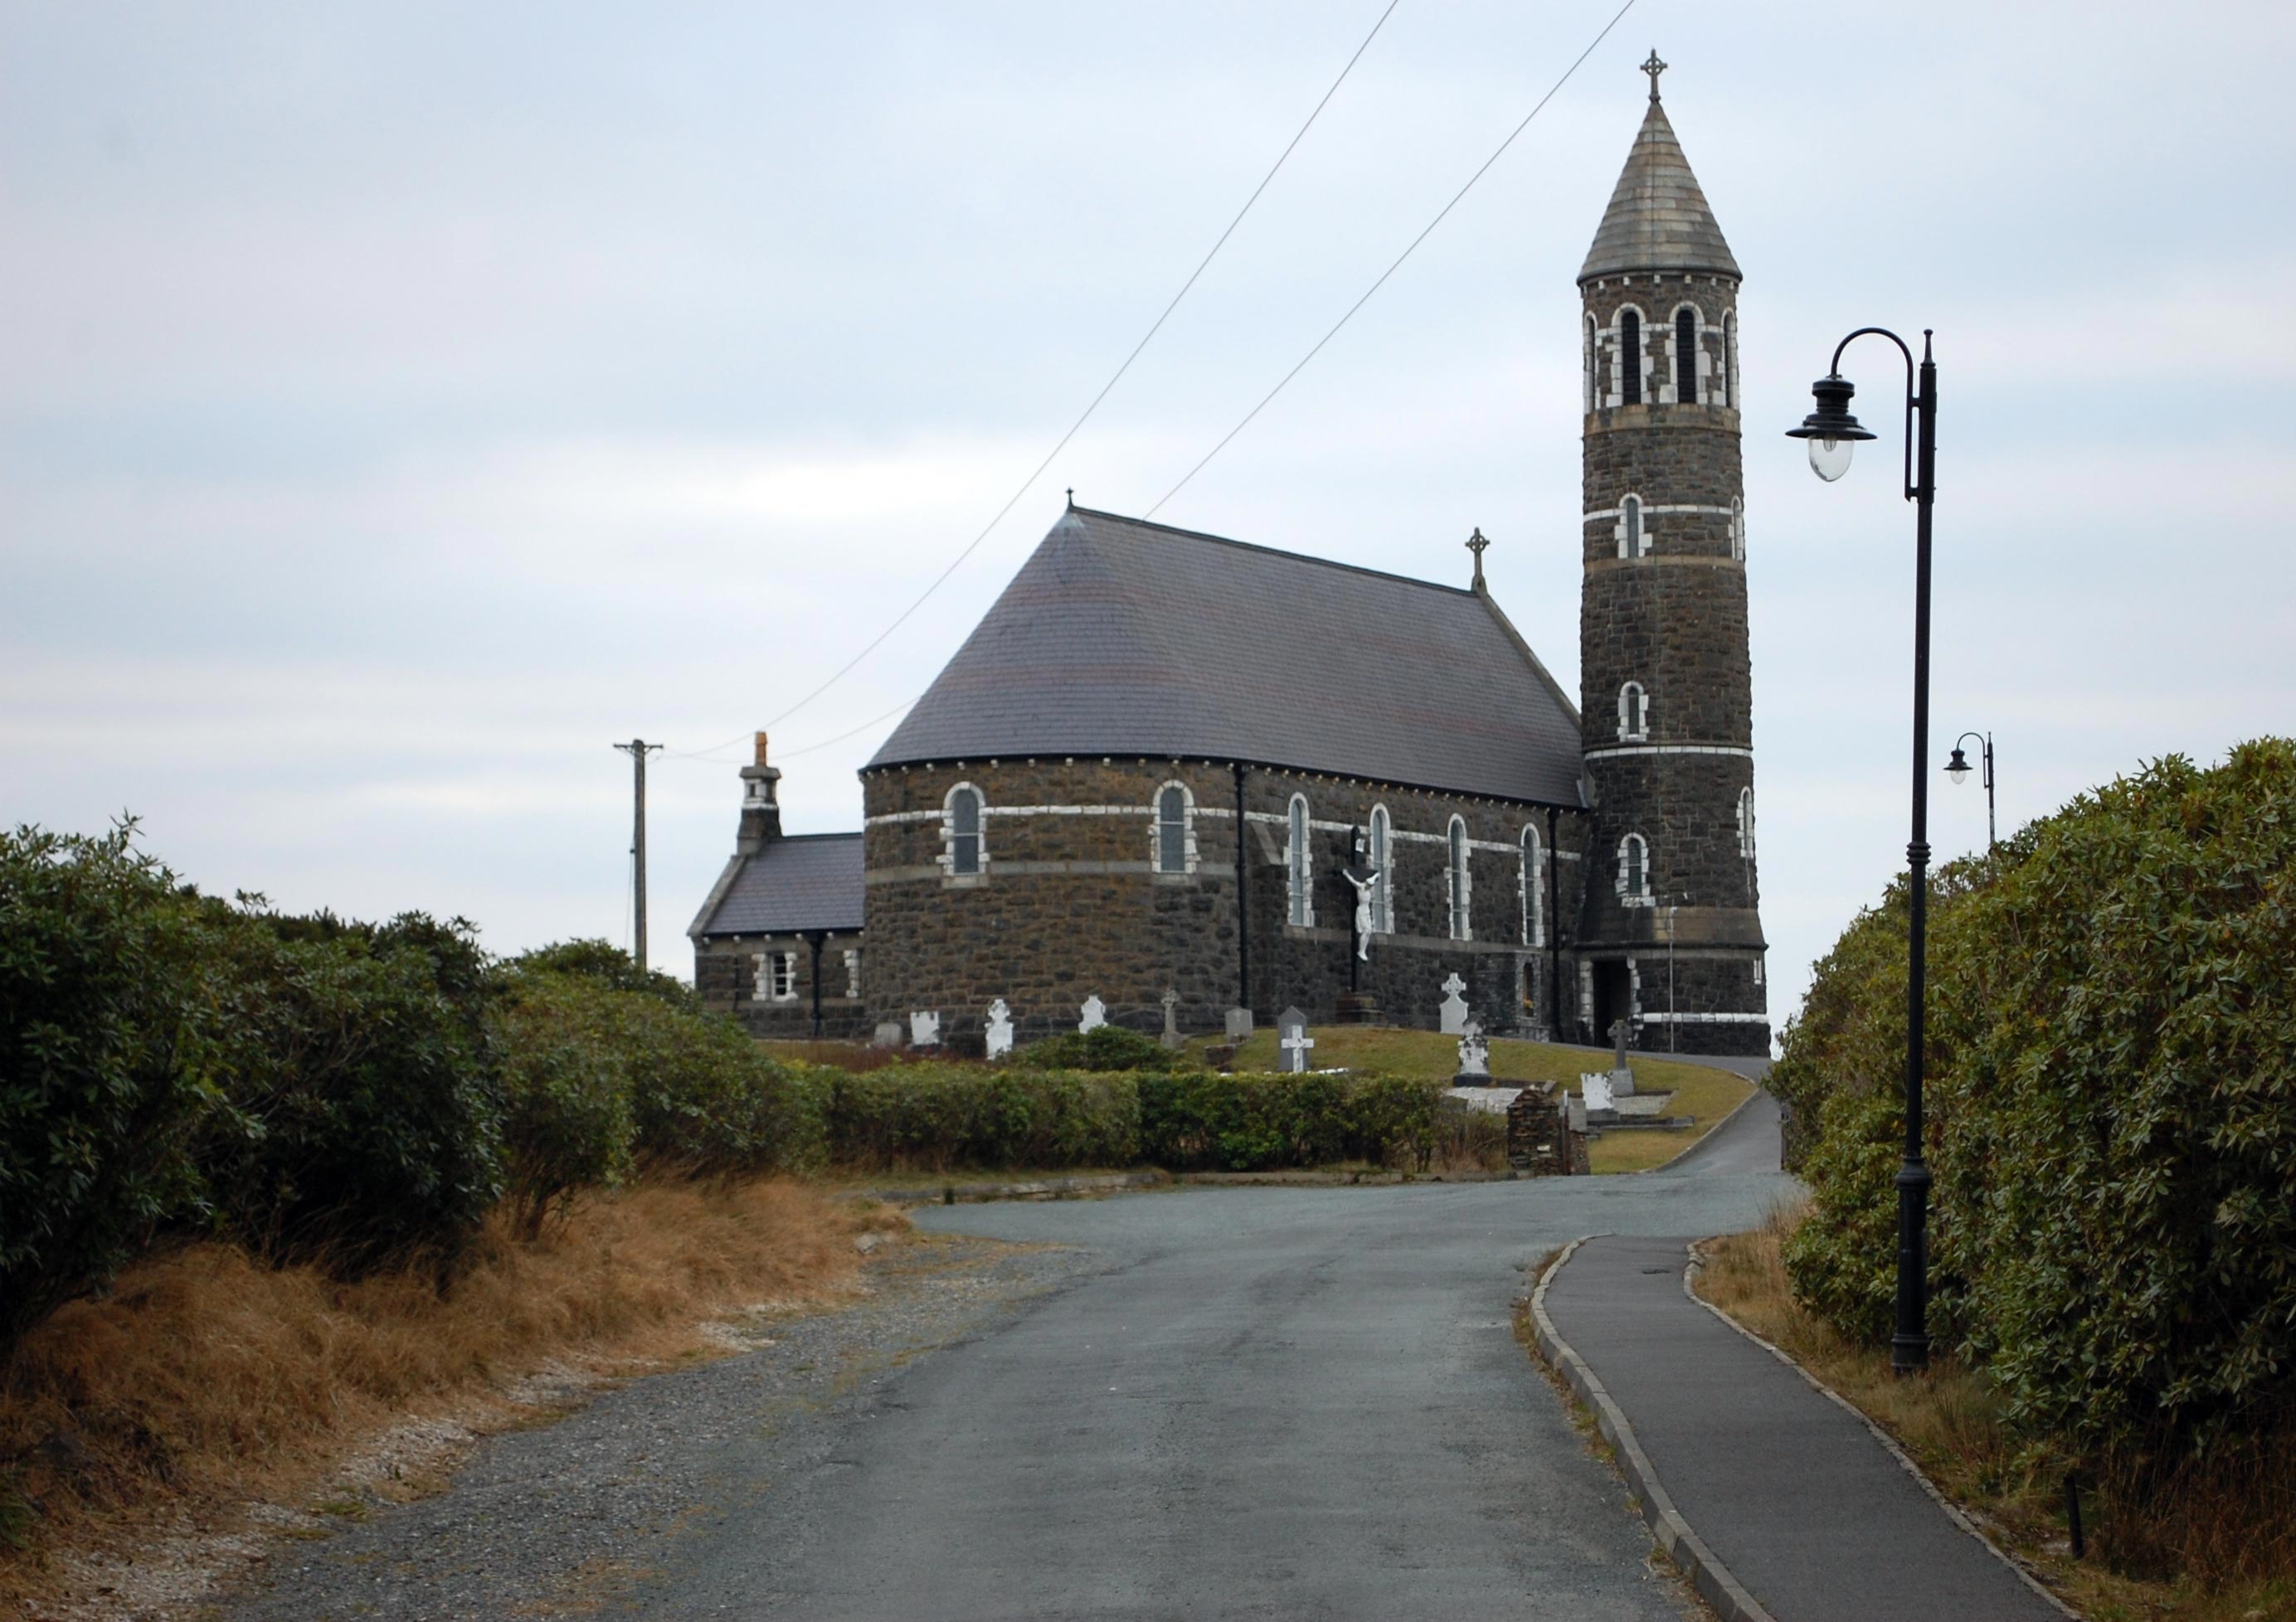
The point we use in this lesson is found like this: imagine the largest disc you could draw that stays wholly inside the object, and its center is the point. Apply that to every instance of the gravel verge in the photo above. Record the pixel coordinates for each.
(573, 1517)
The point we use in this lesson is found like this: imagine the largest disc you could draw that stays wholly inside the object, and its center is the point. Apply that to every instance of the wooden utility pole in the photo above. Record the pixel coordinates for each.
(637, 749)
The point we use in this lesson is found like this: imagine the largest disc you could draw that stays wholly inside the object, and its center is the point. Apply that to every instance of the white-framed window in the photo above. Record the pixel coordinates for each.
(1757, 971)
(1175, 832)
(1633, 531)
(1590, 363)
(1730, 359)
(1738, 527)
(1461, 880)
(1746, 823)
(776, 977)
(1629, 362)
(853, 973)
(1633, 883)
(964, 832)
(1533, 880)
(1634, 713)
(1298, 870)
(1686, 347)
(1382, 888)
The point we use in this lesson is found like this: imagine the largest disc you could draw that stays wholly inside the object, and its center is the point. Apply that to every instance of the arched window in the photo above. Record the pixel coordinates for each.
(1172, 839)
(962, 846)
(1589, 363)
(1630, 358)
(1634, 870)
(1634, 712)
(1634, 536)
(1730, 359)
(1685, 356)
(1382, 889)
(1746, 823)
(1296, 872)
(1534, 889)
(1738, 527)
(1461, 896)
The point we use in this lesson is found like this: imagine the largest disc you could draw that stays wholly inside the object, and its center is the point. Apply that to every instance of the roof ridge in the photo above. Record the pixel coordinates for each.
(1276, 552)
(792, 839)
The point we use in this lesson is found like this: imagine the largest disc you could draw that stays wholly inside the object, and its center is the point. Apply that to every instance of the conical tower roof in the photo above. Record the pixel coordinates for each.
(1658, 219)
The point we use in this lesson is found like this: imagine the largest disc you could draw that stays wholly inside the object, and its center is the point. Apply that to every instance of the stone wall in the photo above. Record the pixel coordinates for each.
(725, 975)
(1671, 619)
(1070, 903)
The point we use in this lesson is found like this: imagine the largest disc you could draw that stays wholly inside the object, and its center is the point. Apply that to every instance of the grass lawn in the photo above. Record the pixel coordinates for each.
(1700, 1092)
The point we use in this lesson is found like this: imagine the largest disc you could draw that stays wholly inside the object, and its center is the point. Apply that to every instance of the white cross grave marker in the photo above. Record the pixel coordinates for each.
(1454, 1007)
(1095, 1015)
(1295, 1051)
(1000, 1029)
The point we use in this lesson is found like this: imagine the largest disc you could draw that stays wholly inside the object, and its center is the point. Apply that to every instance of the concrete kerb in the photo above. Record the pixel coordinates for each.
(1954, 1513)
(1708, 1574)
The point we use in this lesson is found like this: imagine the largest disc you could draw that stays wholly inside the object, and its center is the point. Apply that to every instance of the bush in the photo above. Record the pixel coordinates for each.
(1203, 1121)
(608, 964)
(567, 1123)
(931, 1117)
(107, 1054)
(703, 1099)
(367, 1113)
(2111, 1114)
(1104, 1047)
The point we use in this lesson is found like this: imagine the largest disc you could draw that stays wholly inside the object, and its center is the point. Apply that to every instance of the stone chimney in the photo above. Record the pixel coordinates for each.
(761, 812)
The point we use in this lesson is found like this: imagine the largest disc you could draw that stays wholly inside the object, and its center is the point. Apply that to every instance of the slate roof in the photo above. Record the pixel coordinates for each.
(1123, 637)
(1658, 219)
(800, 882)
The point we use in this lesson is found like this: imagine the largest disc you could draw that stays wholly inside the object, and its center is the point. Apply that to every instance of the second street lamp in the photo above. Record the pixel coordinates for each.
(1832, 433)
(1957, 768)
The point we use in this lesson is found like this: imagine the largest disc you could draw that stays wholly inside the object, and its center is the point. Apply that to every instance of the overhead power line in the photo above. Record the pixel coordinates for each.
(1409, 250)
(1086, 415)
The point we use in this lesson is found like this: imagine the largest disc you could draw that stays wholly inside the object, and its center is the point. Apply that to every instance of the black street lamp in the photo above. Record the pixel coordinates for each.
(1957, 768)
(1832, 433)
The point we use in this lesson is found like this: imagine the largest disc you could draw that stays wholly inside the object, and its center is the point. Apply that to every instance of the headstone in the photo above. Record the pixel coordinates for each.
(1293, 1038)
(1594, 1087)
(1095, 1015)
(1577, 1113)
(1172, 1038)
(1239, 1024)
(1454, 1007)
(889, 1034)
(1000, 1029)
(1475, 1057)
(1619, 1037)
(924, 1030)
(1622, 1081)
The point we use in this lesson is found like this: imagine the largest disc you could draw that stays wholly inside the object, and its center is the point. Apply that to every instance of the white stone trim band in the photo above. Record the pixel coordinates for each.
(1703, 1019)
(1668, 748)
(1654, 509)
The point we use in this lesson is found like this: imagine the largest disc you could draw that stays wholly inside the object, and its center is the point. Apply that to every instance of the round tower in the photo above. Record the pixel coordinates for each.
(1670, 939)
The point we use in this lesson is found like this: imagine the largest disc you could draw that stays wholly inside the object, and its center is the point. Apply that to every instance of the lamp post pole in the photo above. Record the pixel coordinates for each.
(1957, 768)
(1832, 432)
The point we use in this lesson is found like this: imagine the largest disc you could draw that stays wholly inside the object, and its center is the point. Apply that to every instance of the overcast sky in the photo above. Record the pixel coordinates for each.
(399, 403)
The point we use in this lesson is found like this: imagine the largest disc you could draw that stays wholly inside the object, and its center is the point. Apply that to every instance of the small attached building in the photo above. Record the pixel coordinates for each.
(778, 942)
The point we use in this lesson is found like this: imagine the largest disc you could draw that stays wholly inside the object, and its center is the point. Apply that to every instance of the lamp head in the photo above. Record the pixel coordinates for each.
(1957, 768)
(1832, 432)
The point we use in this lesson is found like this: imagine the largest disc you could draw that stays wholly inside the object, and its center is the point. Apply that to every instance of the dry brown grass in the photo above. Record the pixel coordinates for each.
(1950, 1420)
(207, 1378)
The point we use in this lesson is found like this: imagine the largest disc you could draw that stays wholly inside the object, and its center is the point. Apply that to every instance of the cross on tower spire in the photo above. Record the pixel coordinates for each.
(1476, 543)
(1653, 67)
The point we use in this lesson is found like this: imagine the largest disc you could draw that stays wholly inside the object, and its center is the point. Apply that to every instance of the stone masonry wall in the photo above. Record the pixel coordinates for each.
(725, 975)
(1069, 904)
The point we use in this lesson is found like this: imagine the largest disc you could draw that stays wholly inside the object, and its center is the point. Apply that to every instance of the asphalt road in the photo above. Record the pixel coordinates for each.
(1269, 1402)
(1215, 1403)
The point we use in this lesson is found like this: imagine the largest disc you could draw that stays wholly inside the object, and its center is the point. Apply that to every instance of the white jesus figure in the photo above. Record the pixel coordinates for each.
(1362, 911)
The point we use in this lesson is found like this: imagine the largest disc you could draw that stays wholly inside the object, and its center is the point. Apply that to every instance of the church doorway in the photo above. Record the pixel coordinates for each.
(1614, 1000)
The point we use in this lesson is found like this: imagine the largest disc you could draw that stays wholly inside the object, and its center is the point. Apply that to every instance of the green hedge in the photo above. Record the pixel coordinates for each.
(2111, 1111)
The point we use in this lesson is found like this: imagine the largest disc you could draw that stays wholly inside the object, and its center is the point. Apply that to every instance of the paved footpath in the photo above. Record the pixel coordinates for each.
(1808, 1511)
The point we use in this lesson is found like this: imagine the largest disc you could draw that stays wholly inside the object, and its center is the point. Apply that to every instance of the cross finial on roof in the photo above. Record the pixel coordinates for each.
(1653, 68)
(1476, 542)
(1073, 495)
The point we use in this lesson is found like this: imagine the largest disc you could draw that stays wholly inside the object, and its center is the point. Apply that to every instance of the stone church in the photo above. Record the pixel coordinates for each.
(1174, 762)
